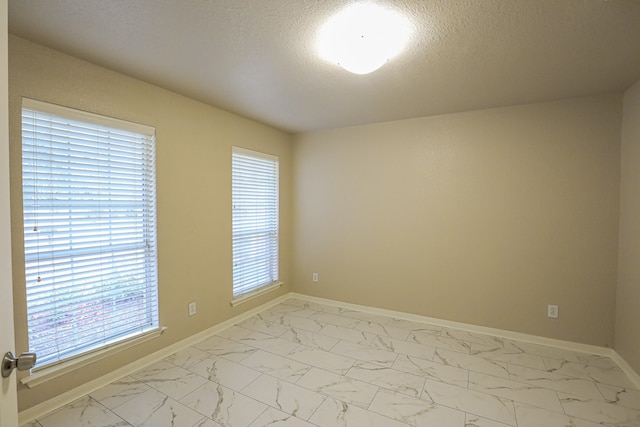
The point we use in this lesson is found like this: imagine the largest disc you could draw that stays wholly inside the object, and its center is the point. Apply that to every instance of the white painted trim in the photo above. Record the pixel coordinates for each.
(252, 153)
(517, 336)
(626, 368)
(255, 294)
(85, 116)
(48, 373)
(29, 415)
(501, 333)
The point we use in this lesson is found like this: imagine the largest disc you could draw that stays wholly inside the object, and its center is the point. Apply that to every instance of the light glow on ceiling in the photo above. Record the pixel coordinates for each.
(362, 37)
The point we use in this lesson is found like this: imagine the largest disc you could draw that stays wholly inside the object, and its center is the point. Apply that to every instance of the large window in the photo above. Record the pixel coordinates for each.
(255, 221)
(89, 230)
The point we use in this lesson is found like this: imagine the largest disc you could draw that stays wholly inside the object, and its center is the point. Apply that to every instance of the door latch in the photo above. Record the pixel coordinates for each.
(24, 362)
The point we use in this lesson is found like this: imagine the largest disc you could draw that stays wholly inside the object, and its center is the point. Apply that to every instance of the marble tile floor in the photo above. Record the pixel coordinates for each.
(302, 364)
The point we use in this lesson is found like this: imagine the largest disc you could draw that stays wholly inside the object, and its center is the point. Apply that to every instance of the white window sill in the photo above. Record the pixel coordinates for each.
(254, 294)
(47, 373)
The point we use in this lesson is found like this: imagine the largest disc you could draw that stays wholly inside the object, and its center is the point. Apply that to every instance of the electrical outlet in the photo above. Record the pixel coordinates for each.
(315, 277)
(552, 311)
(192, 308)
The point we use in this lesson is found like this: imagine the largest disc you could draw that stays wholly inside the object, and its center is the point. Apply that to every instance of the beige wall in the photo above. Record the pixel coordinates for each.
(628, 305)
(193, 187)
(482, 217)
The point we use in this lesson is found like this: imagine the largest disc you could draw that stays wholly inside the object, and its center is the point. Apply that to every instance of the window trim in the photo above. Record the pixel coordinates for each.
(76, 114)
(277, 283)
(47, 373)
(59, 367)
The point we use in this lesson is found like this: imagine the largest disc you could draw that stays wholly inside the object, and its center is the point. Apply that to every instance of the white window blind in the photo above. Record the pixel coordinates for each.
(89, 230)
(255, 220)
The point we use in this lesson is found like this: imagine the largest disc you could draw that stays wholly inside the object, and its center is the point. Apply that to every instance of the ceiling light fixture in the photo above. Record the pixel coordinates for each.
(362, 37)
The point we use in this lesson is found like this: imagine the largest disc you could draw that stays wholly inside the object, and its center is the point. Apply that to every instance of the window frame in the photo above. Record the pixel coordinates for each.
(149, 229)
(244, 158)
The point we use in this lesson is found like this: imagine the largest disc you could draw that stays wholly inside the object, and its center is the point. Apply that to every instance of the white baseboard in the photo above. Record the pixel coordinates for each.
(626, 368)
(44, 408)
(31, 414)
(501, 333)
(517, 336)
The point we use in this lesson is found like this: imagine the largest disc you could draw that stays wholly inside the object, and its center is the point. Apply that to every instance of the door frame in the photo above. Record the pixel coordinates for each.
(8, 394)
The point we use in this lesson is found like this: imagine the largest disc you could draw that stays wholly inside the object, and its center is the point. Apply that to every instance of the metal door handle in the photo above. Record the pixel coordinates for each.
(24, 362)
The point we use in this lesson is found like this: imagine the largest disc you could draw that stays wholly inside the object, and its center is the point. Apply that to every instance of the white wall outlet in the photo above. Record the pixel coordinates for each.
(192, 308)
(315, 277)
(552, 311)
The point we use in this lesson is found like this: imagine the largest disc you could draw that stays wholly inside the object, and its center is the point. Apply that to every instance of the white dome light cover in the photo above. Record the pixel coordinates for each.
(362, 37)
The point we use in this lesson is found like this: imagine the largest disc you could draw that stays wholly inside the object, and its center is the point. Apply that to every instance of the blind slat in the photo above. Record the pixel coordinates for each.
(254, 220)
(90, 230)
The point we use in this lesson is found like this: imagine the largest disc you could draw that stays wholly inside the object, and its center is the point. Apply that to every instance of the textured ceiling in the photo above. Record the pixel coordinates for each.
(256, 57)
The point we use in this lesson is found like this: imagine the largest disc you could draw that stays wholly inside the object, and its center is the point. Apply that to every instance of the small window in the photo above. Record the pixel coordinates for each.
(89, 230)
(255, 221)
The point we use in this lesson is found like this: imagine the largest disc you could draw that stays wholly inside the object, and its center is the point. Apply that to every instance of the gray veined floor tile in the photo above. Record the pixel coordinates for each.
(542, 350)
(439, 341)
(474, 402)
(234, 333)
(476, 421)
(335, 413)
(404, 347)
(382, 330)
(620, 396)
(340, 387)
(388, 378)
(206, 422)
(611, 376)
(119, 392)
(530, 416)
(301, 323)
(599, 412)
(284, 396)
(334, 319)
(472, 337)
(555, 382)
(516, 391)
(272, 315)
(415, 412)
(84, 412)
(152, 409)
(223, 347)
(330, 309)
(348, 334)
(322, 359)
(310, 339)
(222, 371)
(365, 354)
(603, 362)
(508, 355)
(471, 363)
(367, 317)
(255, 323)
(275, 418)
(223, 405)
(276, 366)
(269, 343)
(305, 364)
(169, 379)
(432, 370)
(187, 357)
(415, 326)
